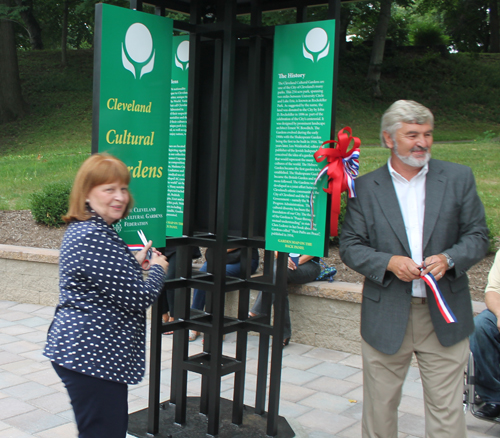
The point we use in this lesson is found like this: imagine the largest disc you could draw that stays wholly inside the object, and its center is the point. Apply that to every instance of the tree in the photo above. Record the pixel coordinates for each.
(377, 55)
(12, 104)
(64, 34)
(31, 23)
(494, 27)
(472, 25)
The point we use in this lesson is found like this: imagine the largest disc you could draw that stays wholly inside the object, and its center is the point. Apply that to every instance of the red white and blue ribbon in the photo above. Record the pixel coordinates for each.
(342, 170)
(443, 307)
(137, 247)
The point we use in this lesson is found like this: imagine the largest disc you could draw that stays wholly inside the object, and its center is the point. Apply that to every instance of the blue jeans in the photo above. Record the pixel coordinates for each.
(485, 346)
(305, 273)
(232, 270)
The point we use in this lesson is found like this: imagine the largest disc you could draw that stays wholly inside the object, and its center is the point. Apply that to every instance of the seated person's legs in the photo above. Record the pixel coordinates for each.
(304, 273)
(199, 296)
(485, 346)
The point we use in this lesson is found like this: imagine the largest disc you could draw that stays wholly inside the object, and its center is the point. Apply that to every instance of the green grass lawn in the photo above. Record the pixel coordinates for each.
(482, 157)
(463, 92)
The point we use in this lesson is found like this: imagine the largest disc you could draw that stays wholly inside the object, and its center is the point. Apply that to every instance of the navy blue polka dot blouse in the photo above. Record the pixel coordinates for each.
(99, 327)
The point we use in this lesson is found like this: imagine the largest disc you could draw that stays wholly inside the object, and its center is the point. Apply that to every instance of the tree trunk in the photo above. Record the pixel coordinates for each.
(31, 23)
(494, 27)
(345, 18)
(64, 36)
(12, 104)
(377, 56)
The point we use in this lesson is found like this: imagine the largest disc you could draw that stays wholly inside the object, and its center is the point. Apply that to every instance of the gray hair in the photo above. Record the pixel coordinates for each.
(404, 111)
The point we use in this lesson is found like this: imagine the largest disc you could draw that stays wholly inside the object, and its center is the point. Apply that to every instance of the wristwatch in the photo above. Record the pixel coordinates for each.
(450, 261)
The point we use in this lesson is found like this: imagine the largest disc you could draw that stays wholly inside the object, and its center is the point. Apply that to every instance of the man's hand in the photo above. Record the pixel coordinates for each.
(404, 268)
(436, 265)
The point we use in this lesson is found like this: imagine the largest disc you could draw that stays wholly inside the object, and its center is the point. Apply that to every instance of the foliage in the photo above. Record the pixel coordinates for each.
(51, 143)
(51, 203)
(465, 21)
(486, 136)
(427, 33)
(462, 91)
(364, 18)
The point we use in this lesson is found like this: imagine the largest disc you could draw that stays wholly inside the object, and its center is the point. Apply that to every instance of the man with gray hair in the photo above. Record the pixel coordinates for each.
(413, 217)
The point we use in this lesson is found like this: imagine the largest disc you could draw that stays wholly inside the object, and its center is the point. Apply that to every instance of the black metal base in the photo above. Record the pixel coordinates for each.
(254, 426)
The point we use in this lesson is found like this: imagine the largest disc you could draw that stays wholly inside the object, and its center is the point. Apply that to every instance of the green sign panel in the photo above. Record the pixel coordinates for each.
(177, 142)
(301, 121)
(132, 86)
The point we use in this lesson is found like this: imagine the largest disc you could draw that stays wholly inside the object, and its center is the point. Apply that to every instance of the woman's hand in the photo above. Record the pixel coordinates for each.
(141, 255)
(159, 259)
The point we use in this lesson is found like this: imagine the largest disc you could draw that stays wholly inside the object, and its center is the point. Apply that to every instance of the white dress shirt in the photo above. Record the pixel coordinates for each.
(411, 197)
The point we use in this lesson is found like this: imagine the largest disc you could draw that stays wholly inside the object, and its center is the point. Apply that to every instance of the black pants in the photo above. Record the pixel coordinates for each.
(100, 406)
(169, 294)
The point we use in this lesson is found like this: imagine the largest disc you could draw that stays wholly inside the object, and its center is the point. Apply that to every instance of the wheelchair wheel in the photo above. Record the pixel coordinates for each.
(471, 401)
(469, 398)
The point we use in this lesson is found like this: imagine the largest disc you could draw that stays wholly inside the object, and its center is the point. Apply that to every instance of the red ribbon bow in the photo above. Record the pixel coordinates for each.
(340, 172)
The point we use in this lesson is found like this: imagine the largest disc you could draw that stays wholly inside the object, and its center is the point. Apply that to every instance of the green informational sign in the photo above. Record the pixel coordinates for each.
(132, 86)
(301, 121)
(177, 142)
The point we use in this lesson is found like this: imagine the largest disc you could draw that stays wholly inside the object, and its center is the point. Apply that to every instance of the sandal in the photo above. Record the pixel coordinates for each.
(166, 319)
(286, 342)
(193, 335)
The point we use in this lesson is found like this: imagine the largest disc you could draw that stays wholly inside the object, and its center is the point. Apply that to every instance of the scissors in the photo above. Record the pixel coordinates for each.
(145, 264)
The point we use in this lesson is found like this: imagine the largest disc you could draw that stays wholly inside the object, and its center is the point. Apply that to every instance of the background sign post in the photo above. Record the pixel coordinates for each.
(301, 121)
(132, 69)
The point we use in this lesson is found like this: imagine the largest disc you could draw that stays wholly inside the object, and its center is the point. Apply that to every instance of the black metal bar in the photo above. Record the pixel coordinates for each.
(155, 368)
(96, 92)
(248, 214)
(215, 138)
(277, 345)
(192, 126)
(180, 350)
(334, 7)
(301, 11)
(228, 11)
(136, 4)
(160, 10)
(183, 297)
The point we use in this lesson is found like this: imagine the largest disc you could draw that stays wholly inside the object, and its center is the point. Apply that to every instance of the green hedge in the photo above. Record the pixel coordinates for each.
(50, 204)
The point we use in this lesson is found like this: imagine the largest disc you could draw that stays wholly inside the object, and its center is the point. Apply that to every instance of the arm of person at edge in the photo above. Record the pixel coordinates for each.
(157, 258)
(291, 265)
(492, 293)
(358, 255)
(302, 259)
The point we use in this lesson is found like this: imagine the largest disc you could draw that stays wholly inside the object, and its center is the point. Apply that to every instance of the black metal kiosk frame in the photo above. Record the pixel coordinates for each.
(224, 207)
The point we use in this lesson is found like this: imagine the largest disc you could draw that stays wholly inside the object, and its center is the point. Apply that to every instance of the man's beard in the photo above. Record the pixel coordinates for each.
(411, 160)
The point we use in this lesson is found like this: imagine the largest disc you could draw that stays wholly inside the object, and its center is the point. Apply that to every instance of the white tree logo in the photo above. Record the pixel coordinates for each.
(182, 55)
(138, 55)
(316, 44)
(118, 226)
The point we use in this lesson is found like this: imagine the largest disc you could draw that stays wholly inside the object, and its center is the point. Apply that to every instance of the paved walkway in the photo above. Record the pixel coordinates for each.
(321, 394)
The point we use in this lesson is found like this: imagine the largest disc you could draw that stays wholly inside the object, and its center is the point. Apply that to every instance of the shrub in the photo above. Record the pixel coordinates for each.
(51, 203)
(427, 34)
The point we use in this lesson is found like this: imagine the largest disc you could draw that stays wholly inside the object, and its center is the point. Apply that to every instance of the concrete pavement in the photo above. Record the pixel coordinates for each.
(321, 393)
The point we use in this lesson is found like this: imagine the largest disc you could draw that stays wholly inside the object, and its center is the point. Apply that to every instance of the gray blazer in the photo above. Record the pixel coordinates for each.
(374, 231)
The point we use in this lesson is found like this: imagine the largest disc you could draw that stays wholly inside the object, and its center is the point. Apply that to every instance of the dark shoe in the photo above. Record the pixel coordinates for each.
(489, 410)
(286, 342)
